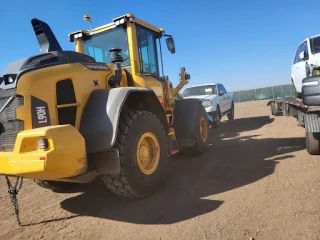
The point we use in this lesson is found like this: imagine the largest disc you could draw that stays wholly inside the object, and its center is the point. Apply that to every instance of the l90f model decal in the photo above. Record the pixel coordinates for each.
(40, 113)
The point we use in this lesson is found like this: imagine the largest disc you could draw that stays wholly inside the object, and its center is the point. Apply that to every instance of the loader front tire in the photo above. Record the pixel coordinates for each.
(142, 145)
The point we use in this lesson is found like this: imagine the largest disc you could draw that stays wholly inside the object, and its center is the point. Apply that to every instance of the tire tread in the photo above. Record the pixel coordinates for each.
(119, 184)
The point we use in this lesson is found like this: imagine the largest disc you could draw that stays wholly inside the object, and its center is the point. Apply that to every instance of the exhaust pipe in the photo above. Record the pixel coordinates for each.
(45, 36)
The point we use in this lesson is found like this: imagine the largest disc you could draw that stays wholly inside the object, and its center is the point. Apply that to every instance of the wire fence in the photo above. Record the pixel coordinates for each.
(264, 93)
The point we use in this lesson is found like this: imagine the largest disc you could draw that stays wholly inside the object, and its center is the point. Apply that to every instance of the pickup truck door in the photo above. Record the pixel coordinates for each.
(228, 98)
(222, 98)
(299, 66)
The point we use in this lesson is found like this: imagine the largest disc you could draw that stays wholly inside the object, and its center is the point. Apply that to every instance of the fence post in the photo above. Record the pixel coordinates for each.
(281, 91)
(272, 92)
(255, 94)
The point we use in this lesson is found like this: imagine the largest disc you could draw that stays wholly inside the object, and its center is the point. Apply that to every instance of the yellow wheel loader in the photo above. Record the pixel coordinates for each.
(105, 110)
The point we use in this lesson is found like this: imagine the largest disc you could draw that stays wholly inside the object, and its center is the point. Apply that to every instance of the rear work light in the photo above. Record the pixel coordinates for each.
(43, 143)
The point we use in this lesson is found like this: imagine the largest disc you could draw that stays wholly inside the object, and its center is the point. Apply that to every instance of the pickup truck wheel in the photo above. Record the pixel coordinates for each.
(142, 145)
(217, 118)
(230, 115)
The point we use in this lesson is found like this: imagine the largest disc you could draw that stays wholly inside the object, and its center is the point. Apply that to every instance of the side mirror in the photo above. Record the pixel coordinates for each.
(170, 45)
(302, 55)
(220, 93)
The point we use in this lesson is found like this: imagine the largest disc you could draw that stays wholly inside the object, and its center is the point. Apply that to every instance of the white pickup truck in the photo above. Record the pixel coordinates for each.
(216, 100)
(306, 62)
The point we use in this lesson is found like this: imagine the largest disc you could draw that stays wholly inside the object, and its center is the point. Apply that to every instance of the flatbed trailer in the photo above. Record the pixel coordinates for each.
(307, 117)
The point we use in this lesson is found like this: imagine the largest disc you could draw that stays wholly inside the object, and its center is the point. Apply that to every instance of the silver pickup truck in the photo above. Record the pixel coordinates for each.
(217, 101)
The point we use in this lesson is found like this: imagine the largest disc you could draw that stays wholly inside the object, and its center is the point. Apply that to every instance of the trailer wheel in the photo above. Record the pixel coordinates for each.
(300, 118)
(285, 109)
(313, 143)
(274, 108)
(142, 145)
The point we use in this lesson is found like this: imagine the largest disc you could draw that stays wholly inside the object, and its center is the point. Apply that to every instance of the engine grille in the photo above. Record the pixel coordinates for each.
(9, 125)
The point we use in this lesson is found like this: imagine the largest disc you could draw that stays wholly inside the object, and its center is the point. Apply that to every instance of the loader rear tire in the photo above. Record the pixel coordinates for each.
(142, 145)
(202, 132)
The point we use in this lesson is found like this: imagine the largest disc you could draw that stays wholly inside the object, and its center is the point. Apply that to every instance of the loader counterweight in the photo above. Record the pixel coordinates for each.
(64, 158)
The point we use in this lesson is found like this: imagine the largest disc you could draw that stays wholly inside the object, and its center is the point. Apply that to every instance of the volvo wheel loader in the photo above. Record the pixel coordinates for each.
(103, 111)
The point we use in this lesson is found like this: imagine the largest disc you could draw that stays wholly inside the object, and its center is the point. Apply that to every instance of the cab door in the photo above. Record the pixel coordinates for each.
(148, 59)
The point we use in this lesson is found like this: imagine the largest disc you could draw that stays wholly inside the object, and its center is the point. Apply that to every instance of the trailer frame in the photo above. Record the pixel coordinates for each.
(308, 117)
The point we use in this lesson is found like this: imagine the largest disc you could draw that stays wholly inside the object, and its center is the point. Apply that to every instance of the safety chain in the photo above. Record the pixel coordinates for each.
(13, 192)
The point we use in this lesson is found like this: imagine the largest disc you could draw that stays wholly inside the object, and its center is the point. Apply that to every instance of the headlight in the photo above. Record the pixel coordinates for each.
(207, 103)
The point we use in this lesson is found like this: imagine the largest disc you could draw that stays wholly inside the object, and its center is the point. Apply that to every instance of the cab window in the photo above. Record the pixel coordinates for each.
(98, 45)
(147, 51)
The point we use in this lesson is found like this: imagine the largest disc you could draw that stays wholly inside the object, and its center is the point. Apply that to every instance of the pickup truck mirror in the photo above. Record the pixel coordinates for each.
(302, 55)
(220, 93)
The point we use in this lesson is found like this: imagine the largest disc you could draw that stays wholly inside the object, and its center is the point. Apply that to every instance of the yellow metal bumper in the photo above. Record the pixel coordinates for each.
(65, 157)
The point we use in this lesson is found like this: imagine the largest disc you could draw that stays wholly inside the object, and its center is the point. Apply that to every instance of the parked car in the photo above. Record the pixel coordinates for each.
(216, 100)
(306, 62)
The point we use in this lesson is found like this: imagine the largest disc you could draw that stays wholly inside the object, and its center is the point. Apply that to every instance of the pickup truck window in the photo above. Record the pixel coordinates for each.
(223, 89)
(315, 45)
(297, 57)
(200, 90)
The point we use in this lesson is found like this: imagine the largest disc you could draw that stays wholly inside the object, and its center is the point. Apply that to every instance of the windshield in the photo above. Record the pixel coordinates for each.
(98, 45)
(200, 90)
(315, 45)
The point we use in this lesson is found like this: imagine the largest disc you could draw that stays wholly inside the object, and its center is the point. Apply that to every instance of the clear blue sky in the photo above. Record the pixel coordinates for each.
(243, 44)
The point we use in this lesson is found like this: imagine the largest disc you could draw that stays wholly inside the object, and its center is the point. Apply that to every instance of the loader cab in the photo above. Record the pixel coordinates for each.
(140, 44)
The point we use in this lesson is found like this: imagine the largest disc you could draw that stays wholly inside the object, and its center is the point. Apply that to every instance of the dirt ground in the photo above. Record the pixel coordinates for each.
(256, 181)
